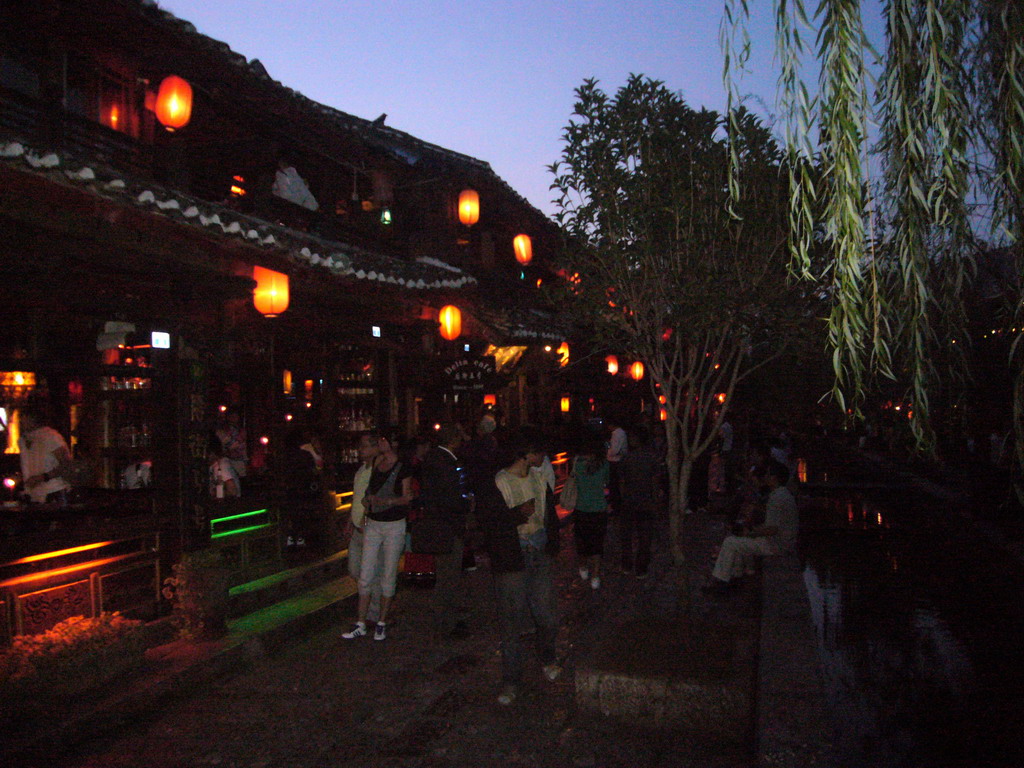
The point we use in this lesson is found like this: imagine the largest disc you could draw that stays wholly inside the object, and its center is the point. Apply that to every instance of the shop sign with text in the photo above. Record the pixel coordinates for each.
(469, 374)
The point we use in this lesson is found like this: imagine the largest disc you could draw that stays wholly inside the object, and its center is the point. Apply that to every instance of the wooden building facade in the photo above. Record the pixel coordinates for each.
(129, 257)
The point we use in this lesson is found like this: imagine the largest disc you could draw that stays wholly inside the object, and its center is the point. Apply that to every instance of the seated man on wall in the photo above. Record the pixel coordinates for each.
(776, 537)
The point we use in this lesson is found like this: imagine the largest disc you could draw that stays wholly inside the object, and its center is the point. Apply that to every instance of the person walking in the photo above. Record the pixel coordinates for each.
(511, 513)
(590, 518)
(387, 502)
(639, 472)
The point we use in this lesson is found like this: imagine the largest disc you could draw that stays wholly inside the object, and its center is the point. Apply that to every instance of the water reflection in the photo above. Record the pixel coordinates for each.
(915, 659)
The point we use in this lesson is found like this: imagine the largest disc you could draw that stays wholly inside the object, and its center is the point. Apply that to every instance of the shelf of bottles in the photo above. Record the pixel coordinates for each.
(357, 406)
(126, 423)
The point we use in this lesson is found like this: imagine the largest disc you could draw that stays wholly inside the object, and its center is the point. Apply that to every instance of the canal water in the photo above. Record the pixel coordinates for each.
(920, 628)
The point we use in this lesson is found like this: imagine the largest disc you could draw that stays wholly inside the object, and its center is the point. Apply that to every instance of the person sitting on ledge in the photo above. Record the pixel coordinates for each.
(776, 537)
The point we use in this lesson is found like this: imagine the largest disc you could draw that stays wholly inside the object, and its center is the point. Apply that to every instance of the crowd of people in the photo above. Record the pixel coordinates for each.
(452, 492)
(498, 488)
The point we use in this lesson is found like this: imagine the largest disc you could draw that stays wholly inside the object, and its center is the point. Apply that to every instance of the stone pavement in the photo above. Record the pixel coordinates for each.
(420, 700)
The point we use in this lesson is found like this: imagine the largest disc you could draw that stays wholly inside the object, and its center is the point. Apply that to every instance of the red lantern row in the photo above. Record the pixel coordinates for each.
(469, 214)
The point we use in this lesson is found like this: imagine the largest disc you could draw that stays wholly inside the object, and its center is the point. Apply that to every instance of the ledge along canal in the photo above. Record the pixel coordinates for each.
(920, 628)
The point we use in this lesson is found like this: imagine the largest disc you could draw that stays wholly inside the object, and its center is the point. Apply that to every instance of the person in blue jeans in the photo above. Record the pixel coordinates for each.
(511, 514)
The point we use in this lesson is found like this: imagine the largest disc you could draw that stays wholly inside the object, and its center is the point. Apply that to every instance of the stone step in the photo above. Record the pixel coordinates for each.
(685, 674)
(259, 593)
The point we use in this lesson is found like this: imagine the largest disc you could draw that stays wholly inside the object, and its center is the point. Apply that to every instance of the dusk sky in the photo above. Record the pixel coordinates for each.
(486, 78)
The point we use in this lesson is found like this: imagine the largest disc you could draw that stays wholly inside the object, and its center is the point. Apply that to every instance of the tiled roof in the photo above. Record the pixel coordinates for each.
(339, 258)
(400, 144)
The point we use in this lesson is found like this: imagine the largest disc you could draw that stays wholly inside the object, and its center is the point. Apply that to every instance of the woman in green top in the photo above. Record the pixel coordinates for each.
(590, 519)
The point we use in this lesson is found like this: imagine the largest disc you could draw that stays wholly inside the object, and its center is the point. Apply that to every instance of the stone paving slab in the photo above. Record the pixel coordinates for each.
(299, 695)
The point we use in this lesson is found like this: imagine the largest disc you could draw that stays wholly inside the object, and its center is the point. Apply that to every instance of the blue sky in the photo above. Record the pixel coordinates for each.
(488, 78)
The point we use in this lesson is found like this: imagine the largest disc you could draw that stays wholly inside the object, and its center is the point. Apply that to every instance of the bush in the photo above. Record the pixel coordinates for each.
(73, 656)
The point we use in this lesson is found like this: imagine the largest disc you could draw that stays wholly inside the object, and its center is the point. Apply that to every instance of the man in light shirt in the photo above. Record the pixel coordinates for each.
(776, 537)
(44, 459)
(618, 445)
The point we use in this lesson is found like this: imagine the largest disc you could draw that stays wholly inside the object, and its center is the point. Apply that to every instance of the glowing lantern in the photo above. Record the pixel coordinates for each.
(636, 370)
(801, 470)
(566, 402)
(523, 246)
(174, 103)
(469, 207)
(721, 397)
(491, 400)
(664, 415)
(271, 294)
(450, 319)
(613, 364)
(563, 353)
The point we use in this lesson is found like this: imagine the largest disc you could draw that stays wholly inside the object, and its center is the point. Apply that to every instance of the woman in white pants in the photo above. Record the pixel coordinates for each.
(387, 506)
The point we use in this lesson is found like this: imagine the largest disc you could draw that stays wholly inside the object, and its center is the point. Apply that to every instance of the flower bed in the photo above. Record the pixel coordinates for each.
(77, 655)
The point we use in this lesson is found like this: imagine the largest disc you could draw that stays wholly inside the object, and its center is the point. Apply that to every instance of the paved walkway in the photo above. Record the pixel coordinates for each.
(415, 700)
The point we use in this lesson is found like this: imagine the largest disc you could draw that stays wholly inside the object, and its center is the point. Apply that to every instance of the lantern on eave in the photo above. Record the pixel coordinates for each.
(523, 246)
(469, 207)
(636, 370)
(450, 319)
(271, 293)
(563, 354)
(613, 364)
(174, 103)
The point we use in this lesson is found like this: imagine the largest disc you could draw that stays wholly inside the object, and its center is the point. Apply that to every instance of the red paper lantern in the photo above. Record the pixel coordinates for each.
(636, 370)
(613, 364)
(271, 294)
(523, 246)
(469, 207)
(174, 103)
(450, 319)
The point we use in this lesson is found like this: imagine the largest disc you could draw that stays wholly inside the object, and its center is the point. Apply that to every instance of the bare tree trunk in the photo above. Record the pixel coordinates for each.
(679, 470)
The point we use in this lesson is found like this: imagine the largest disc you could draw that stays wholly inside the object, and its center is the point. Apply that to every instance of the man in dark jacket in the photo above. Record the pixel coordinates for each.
(444, 502)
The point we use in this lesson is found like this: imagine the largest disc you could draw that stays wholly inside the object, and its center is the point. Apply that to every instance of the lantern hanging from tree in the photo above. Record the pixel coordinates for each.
(613, 364)
(469, 207)
(636, 370)
(566, 403)
(174, 103)
(450, 319)
(523, 246)
(271, 294)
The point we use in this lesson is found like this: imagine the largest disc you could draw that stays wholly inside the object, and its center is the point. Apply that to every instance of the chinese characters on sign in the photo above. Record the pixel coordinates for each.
(472, 374)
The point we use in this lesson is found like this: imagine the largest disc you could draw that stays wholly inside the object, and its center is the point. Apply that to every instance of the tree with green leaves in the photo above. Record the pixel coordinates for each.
(901, 212)
(659, 268)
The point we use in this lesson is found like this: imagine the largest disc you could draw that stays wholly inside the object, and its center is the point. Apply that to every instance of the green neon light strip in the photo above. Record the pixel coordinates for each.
(239, 530)
(236, 517)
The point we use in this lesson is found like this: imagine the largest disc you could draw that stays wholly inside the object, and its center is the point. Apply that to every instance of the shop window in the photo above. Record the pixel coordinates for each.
(100, 94)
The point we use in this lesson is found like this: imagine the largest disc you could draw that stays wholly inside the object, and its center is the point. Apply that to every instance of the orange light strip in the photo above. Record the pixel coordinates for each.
(62, 571)
(58, 553)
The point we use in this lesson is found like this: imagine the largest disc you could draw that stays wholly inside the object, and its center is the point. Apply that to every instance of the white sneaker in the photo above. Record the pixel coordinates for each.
(380, 632)
(552, 672)
(359, 630)
(508, 695)
(595, 583)
(584, 574)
